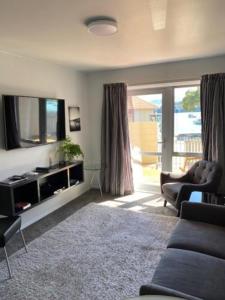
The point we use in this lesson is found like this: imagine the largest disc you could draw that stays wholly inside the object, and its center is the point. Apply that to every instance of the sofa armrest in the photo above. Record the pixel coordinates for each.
(155, 289)
(203, 212)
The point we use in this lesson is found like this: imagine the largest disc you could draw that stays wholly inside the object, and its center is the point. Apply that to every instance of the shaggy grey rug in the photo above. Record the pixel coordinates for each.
(97, 253)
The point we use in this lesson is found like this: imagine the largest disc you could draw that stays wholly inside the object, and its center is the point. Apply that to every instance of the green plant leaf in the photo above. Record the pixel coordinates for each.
(70, 150)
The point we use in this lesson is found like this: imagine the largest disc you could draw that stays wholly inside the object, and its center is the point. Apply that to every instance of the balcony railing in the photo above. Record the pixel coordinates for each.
(148, 165)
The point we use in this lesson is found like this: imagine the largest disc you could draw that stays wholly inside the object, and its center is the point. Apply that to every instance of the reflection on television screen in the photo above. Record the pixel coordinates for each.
(31, 121)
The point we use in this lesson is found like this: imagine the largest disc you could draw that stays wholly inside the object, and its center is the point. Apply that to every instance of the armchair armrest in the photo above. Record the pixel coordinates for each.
(166, 177)
(155, 289)
(188, 188)
(203, 212)
(207, 187)
(171, 177)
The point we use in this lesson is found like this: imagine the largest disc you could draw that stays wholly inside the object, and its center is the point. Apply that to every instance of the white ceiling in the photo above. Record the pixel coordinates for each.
(54, 30)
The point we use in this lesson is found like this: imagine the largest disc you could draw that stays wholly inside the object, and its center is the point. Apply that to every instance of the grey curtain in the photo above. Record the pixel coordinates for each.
(115, 146)
(12, 122)
(213, 121)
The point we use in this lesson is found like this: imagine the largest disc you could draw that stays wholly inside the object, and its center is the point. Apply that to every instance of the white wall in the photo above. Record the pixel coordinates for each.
(30, 77)
(23, 76)
(158, 73)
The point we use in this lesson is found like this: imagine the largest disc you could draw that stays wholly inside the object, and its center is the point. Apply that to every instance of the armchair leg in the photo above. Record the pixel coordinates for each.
(165, 202)
(25, 246)
(8, 265)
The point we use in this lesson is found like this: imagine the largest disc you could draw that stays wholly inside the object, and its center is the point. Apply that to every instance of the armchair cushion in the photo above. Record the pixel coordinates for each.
(200, 237)
(172, 189)
(192, 273)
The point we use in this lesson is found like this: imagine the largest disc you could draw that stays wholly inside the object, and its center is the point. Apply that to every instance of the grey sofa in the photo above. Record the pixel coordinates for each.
(193, 266)
(203, 176)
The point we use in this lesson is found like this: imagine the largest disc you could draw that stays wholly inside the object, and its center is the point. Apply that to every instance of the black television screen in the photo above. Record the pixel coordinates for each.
(31, 121)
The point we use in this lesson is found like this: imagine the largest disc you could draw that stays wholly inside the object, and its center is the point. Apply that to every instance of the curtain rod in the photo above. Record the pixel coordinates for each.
(162, 85)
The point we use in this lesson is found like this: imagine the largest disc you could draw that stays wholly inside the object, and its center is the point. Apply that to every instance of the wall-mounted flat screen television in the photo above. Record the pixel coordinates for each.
(32, 121)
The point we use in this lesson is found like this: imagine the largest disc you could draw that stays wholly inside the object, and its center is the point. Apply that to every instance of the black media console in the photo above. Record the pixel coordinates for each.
(21, 195)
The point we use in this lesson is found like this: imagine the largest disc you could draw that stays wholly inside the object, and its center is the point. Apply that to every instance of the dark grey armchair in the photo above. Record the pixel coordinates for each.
(204, 176)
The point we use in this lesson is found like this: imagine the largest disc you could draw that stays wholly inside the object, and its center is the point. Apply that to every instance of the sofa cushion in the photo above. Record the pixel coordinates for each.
(200, 237)
(192, 273)
(171, 189)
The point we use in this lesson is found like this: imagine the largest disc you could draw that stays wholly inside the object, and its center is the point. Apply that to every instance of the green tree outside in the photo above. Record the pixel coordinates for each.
(191, 100)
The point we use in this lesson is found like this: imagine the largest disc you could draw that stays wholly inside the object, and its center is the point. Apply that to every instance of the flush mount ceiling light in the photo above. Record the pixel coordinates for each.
(102, 26)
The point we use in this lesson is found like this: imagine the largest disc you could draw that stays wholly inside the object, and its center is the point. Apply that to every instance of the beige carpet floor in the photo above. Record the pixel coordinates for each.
(99, 252)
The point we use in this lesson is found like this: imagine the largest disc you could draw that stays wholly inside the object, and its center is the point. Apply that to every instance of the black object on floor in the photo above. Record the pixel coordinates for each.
(8, 227)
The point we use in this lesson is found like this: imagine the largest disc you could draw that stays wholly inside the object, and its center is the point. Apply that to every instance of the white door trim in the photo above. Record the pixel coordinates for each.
(162, 85)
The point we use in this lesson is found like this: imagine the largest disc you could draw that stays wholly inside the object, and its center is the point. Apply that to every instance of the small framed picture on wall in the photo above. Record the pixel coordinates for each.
(74, 118)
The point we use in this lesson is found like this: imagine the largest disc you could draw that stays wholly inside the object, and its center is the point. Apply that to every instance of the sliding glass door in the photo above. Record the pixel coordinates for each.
(145, 111)
(165, 132)
(187, 145)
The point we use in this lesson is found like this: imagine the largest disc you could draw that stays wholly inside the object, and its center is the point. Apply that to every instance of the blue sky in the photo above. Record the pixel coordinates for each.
(157, 98)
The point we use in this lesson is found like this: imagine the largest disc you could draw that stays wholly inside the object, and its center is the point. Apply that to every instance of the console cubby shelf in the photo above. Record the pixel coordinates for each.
(39, 188)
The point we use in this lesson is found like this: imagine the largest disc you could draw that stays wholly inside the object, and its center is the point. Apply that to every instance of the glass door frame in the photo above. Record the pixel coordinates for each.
(167, 153)
(177, 153)
(166, 128)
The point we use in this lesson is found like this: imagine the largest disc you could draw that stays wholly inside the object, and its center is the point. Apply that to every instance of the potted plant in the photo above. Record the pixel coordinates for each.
(70, 150)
